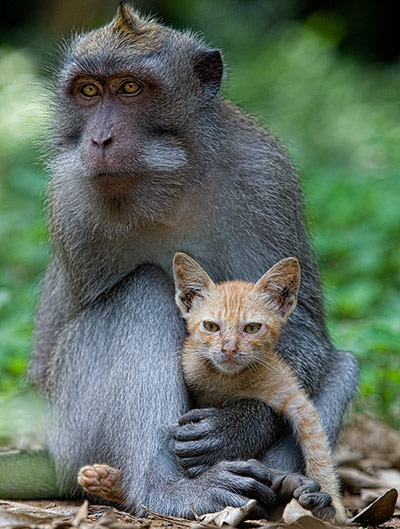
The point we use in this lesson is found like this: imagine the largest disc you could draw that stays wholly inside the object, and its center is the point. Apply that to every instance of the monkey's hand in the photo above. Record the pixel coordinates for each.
(235, 482)
(242, 429)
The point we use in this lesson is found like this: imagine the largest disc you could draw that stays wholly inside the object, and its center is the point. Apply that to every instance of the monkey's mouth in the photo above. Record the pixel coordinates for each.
(113, 185)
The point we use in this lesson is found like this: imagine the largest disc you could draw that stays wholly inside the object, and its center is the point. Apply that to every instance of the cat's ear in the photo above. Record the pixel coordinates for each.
(192, 283)
(280, 285)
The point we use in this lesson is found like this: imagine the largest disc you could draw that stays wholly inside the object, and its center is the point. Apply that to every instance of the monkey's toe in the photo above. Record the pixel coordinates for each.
(319, 503)
(102, 480)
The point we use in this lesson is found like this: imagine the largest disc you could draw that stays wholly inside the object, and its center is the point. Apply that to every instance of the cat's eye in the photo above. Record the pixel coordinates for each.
(130, 88)
(89, 90)
(252, 328)
(210, 326)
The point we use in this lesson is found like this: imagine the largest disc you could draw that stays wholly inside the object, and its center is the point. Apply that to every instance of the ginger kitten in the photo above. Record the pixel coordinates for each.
(229, 353)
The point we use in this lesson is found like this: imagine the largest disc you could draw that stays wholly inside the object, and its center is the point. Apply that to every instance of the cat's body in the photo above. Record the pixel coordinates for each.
(229, 353)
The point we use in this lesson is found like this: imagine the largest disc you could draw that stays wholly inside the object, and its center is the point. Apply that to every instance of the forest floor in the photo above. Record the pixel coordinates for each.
(368, 458)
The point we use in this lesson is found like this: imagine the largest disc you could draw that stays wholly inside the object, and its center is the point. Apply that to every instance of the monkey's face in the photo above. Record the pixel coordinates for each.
(123, 138)
(130, 99)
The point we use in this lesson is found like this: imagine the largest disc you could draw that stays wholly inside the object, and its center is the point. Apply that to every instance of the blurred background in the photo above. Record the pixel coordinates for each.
(323, 75)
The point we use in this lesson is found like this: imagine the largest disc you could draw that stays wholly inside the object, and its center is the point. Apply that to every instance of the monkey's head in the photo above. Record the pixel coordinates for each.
(129, 106)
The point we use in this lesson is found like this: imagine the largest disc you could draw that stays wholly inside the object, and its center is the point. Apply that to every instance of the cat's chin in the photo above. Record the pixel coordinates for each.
(229, 367)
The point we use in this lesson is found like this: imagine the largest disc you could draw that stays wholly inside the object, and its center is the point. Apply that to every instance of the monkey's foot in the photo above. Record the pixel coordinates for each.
(102, 480)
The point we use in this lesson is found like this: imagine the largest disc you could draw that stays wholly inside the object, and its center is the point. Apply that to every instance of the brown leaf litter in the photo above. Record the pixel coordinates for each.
(368, 459)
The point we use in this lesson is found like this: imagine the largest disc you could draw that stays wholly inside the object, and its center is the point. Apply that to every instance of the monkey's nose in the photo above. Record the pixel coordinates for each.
(102, 140)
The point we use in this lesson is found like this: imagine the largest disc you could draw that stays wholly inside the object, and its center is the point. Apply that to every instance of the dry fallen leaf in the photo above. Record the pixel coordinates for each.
(81, 514)
(391, 477)
(8, 520)
(229, 516)
(355, 479)
(24, 508)
(293, 511)
(295, 514)
(379, 511)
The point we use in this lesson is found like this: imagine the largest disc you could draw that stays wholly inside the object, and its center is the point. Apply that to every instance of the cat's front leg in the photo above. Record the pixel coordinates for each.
(242, 429)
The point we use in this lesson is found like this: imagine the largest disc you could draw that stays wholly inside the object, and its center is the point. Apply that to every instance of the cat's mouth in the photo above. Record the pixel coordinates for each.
(229, 364)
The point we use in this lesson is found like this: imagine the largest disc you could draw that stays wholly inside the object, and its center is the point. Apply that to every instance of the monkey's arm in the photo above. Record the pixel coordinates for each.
(50, 320)
(249, 428)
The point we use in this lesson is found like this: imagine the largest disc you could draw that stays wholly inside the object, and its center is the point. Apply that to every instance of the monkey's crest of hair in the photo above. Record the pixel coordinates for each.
(128, 20)
(130, 28)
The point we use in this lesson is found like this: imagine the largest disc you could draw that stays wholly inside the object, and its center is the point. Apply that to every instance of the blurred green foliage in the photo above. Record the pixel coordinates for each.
(340, 122)
(22, 233)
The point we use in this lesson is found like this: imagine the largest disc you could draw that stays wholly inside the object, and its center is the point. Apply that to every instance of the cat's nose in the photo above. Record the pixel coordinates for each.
(229, 350)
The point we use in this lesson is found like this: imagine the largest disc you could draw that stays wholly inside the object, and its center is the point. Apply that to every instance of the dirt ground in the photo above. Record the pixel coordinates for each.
(368, 458)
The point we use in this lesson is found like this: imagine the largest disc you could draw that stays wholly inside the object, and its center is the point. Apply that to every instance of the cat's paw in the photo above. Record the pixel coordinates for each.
(102, 480)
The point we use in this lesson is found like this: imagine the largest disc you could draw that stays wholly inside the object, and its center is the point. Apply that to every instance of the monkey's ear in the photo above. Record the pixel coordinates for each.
(280, 286)
(192, 283)
(208, 67)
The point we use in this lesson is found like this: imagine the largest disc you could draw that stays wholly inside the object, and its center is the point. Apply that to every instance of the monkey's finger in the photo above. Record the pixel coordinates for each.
(324, 513)
(251, 468)
(315, 500)
(189, 462)
(249, 487)
(195, 415)
(292, 486)
(307, 486)
(193, 472)
(193, 448)
(234, 499)
(226, 476)
(192, 431)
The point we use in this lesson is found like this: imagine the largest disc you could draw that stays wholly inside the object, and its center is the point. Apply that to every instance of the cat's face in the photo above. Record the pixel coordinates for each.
(234, 325)
(232, 329)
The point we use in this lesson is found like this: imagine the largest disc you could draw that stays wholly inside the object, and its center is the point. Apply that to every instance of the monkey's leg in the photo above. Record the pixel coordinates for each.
(102, 480)
(117, 385)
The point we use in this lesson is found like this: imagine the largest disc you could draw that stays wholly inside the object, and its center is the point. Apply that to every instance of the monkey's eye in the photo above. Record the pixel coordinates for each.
(210, 326)
(252, 328)
(130, 87)
(89, 90)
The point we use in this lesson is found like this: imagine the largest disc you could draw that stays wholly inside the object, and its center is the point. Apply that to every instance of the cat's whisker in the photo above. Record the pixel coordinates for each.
(268, 366)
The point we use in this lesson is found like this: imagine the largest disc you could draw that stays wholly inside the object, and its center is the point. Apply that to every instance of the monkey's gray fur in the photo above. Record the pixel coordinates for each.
(202, 178)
